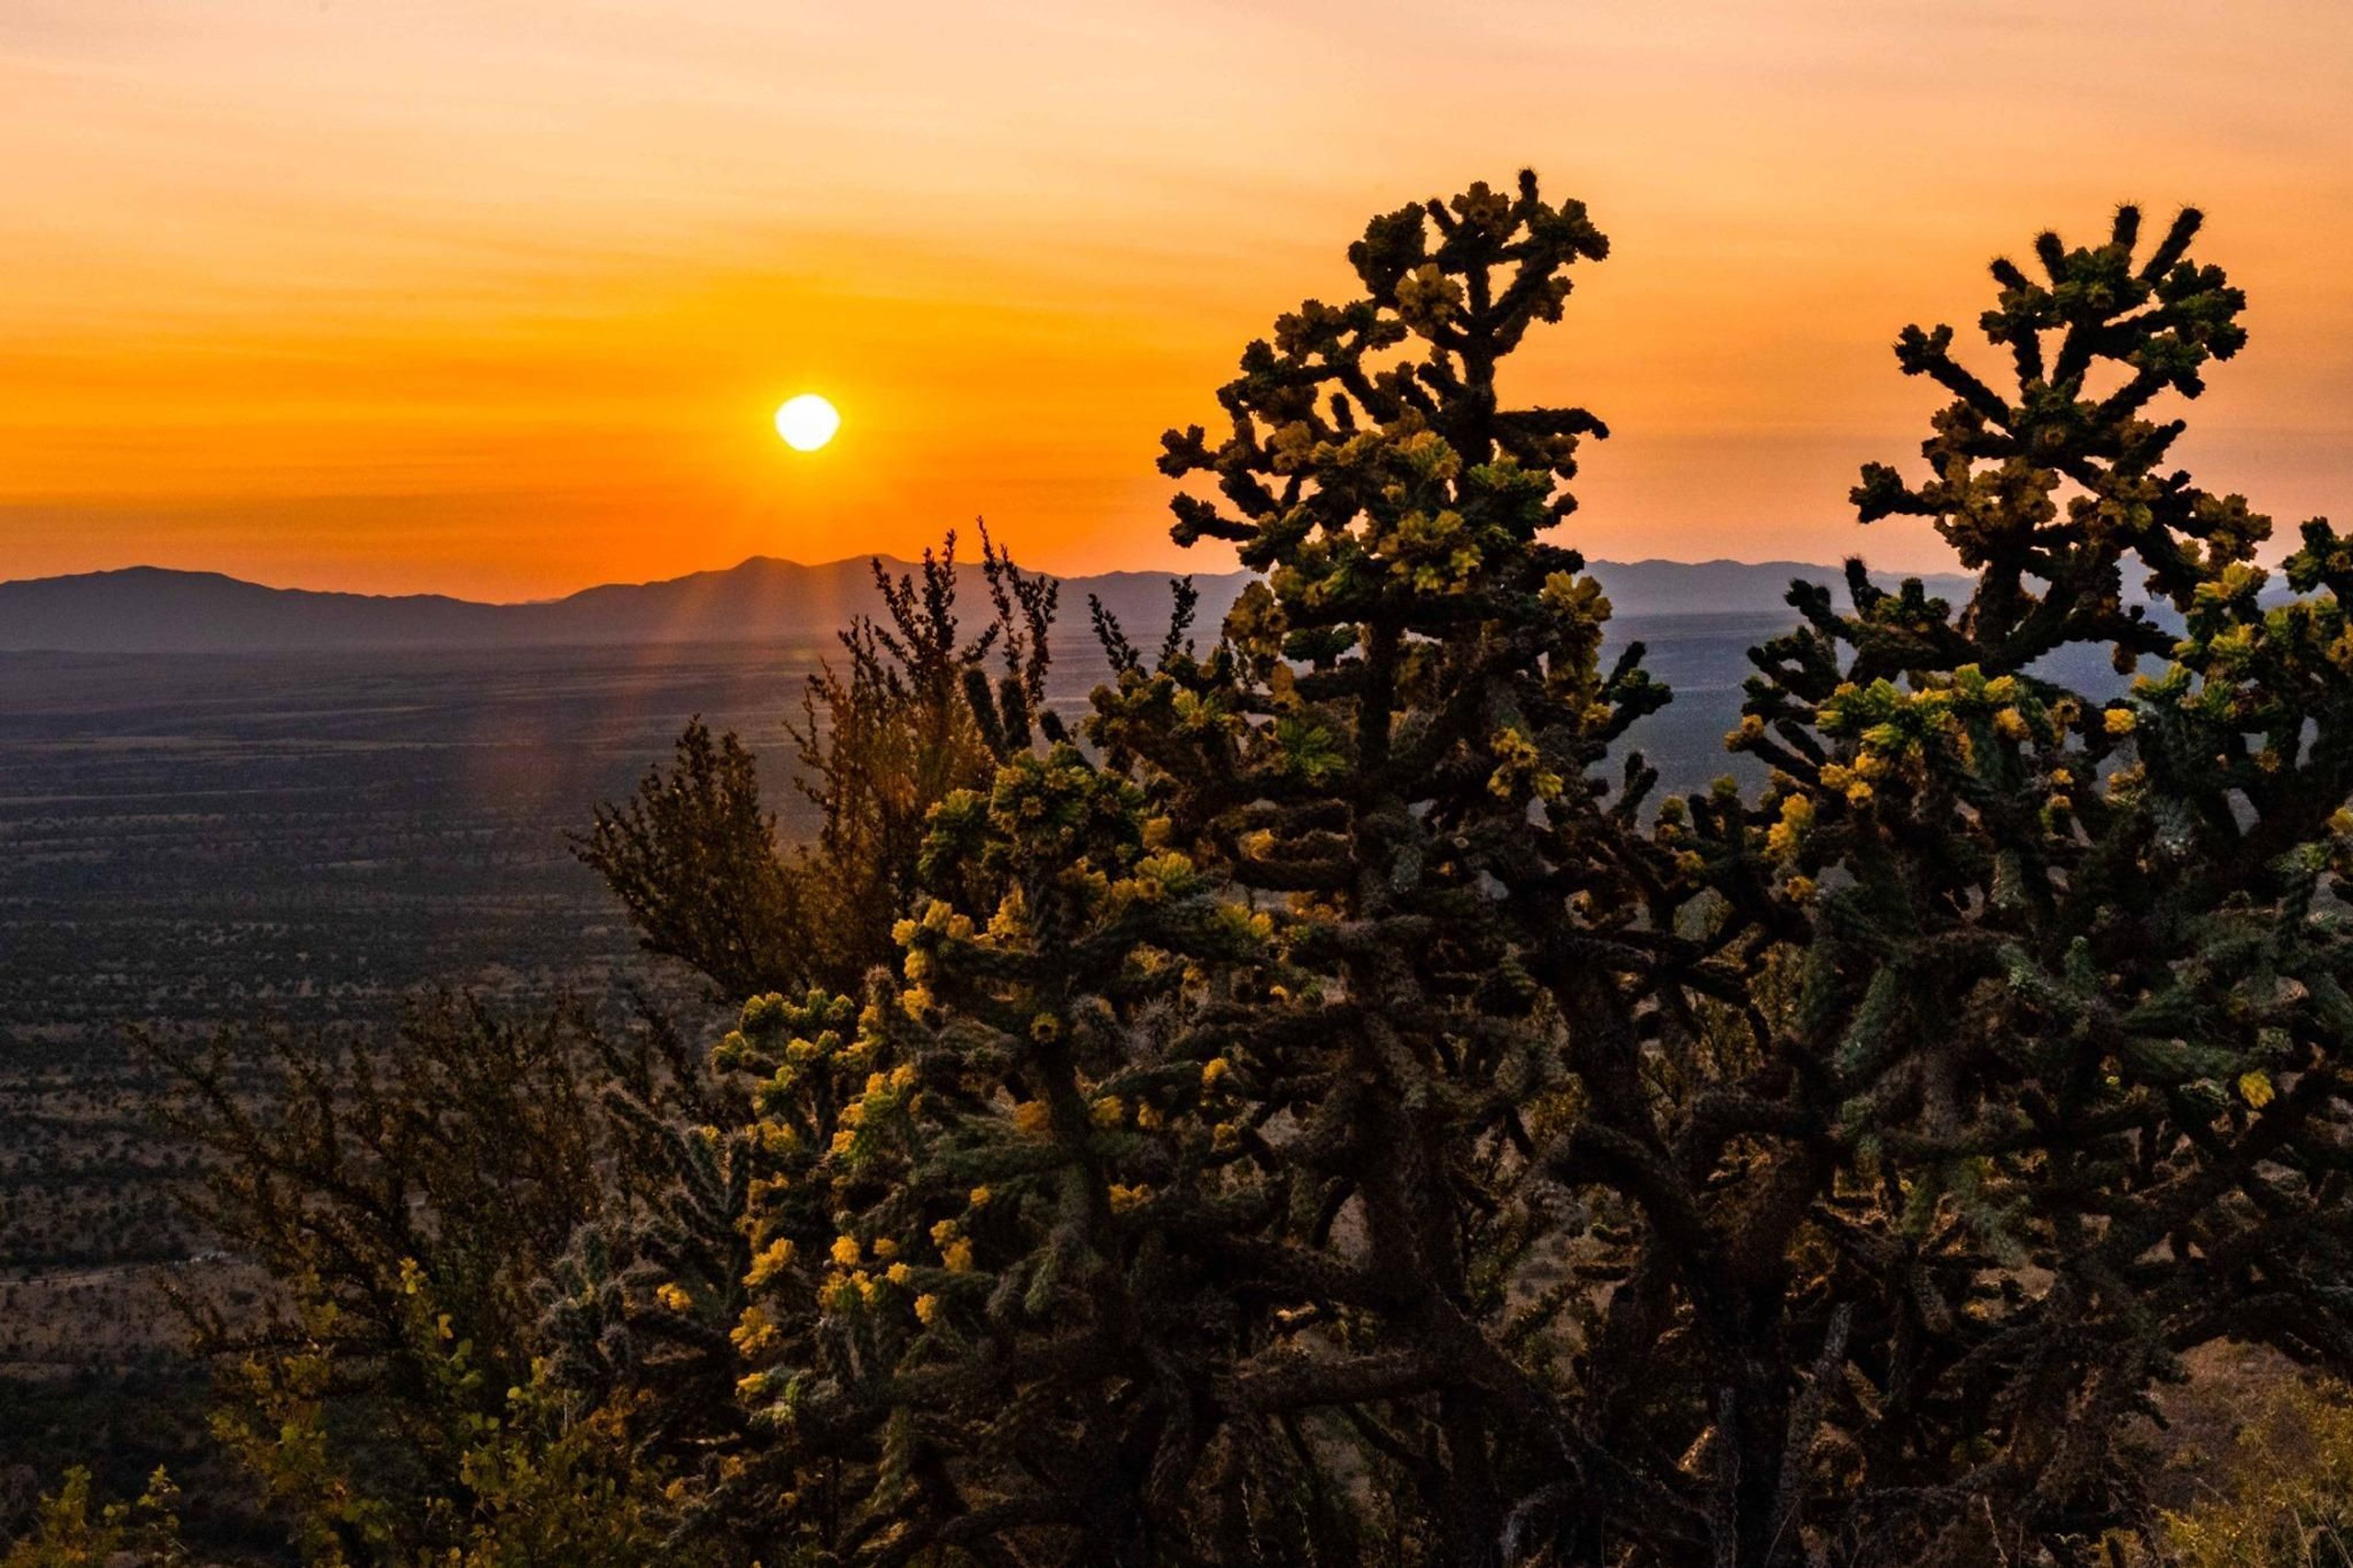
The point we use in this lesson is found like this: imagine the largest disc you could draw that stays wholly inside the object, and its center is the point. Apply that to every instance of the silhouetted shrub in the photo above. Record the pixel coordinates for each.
(693, 856)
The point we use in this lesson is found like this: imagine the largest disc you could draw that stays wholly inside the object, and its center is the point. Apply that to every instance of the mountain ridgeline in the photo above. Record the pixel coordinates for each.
(150, 609)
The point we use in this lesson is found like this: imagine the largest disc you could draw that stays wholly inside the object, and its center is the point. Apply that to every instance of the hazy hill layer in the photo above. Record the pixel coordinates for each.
(147, 609)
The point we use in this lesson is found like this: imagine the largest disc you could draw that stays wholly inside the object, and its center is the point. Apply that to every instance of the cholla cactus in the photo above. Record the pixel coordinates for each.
(1323, 1120)
(2058, 1093)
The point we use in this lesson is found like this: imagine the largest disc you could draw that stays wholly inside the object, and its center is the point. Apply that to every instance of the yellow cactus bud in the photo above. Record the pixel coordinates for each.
(771, 1261)
(753, 1333)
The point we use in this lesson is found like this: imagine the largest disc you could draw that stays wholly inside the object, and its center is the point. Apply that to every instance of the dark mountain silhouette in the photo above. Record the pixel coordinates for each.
(1654, 587)
(146, 609)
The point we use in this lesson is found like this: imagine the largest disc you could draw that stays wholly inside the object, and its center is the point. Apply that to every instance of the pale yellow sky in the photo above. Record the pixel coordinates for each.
(495, 296)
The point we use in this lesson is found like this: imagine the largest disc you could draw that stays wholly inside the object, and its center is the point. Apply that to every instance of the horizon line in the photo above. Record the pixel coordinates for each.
(860, 559)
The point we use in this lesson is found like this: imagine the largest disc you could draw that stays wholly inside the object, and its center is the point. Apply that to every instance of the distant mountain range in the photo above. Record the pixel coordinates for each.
(147, 609)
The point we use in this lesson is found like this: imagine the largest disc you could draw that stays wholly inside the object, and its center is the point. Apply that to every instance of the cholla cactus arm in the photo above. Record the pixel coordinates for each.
(1999, 463)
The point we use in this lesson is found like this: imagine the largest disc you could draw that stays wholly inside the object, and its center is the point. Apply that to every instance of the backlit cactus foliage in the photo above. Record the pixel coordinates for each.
(1325, 1113)
(2058, 1091)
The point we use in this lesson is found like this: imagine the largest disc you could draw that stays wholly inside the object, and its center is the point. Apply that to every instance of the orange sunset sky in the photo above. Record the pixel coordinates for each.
(495, 296)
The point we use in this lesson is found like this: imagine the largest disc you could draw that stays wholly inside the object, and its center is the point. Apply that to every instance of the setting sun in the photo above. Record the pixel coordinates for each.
(808, 422)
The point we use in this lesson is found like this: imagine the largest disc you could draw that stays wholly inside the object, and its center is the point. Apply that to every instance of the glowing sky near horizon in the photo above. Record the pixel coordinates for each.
(500, 298)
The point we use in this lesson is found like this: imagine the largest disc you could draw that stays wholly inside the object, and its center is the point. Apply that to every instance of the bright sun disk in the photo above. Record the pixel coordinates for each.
(808, 422)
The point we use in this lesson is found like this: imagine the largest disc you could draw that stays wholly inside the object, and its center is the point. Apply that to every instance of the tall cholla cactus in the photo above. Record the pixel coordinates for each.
(1321, 1121)
(2063, 1064)
(1391, 757)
